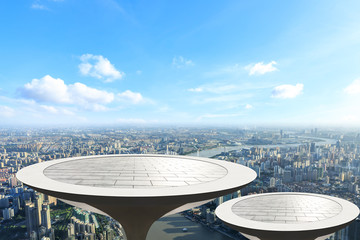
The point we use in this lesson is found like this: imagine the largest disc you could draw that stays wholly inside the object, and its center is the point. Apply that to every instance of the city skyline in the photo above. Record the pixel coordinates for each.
(167, 63)
(313, 161)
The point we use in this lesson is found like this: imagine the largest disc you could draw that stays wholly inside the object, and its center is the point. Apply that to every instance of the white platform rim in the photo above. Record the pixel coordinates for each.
(236, 177)
(349, 212)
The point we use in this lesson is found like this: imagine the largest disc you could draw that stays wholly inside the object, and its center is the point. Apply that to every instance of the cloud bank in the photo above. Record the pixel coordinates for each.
(54, 90)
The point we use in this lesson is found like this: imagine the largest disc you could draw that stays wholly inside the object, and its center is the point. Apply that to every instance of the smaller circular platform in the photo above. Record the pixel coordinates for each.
(278, 214)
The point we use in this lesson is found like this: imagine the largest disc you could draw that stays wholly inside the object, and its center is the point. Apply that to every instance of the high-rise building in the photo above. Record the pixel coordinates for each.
(4, 201)
(338, 145)
(31, 219)
(312, 147)
(13, 181)
(33, 235)
(8, 213)
(42, 232)
(52, 200)
(45, 216)
(38, 205)
(52, 234)
(272, 182)
(70, 230)
(287, 176)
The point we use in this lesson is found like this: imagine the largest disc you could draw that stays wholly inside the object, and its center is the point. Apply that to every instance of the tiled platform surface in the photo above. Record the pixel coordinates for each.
(286, 208)
(287, 215)
(135, 172)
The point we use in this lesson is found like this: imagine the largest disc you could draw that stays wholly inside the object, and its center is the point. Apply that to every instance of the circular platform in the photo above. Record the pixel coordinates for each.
(280, 215)
(136, 190)
(136, 175)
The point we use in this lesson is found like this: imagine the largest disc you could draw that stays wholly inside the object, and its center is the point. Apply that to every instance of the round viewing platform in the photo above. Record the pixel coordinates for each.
(136, 190)
(287, 215)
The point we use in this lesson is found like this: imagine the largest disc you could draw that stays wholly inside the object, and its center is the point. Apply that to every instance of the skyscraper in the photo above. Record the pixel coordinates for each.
(45, 216)
(38, 205)
(31, 220)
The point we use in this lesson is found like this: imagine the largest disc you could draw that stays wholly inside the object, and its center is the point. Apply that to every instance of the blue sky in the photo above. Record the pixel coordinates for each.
(223, 63)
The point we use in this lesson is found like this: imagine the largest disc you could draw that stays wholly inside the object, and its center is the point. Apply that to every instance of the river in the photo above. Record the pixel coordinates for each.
(171, 228)
(215, 151)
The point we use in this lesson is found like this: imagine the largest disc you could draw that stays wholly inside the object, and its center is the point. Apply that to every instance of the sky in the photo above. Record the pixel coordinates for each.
(183, 63)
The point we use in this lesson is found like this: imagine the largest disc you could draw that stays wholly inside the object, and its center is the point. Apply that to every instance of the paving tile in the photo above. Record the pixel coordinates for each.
(131, 171)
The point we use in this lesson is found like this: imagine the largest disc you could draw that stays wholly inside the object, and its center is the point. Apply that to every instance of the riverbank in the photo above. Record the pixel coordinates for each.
(215, 151)
(171, 228)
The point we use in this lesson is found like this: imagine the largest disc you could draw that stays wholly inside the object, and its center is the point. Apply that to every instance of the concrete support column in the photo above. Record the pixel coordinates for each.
(136, 219)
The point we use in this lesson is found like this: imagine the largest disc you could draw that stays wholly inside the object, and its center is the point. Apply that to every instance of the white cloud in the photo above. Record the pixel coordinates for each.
(248, 106)
(164, 109)
(216, 88)
(260, 68)
(50, 109)
(33, 106)
(80, 93)
(353, 88)
(198, 89)
(6, 111)
(54, 110)
(130, 97)
(181, 62)
(97, 107)
(51, 90)
(287, 91)
(232, 71)
(226, 98)
(68, 112)
(39, 6)
(47, 89)
(223, 88)
(99, 67)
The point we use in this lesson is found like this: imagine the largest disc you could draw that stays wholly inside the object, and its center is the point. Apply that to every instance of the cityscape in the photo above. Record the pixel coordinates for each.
(324, 161)
(170, 108)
